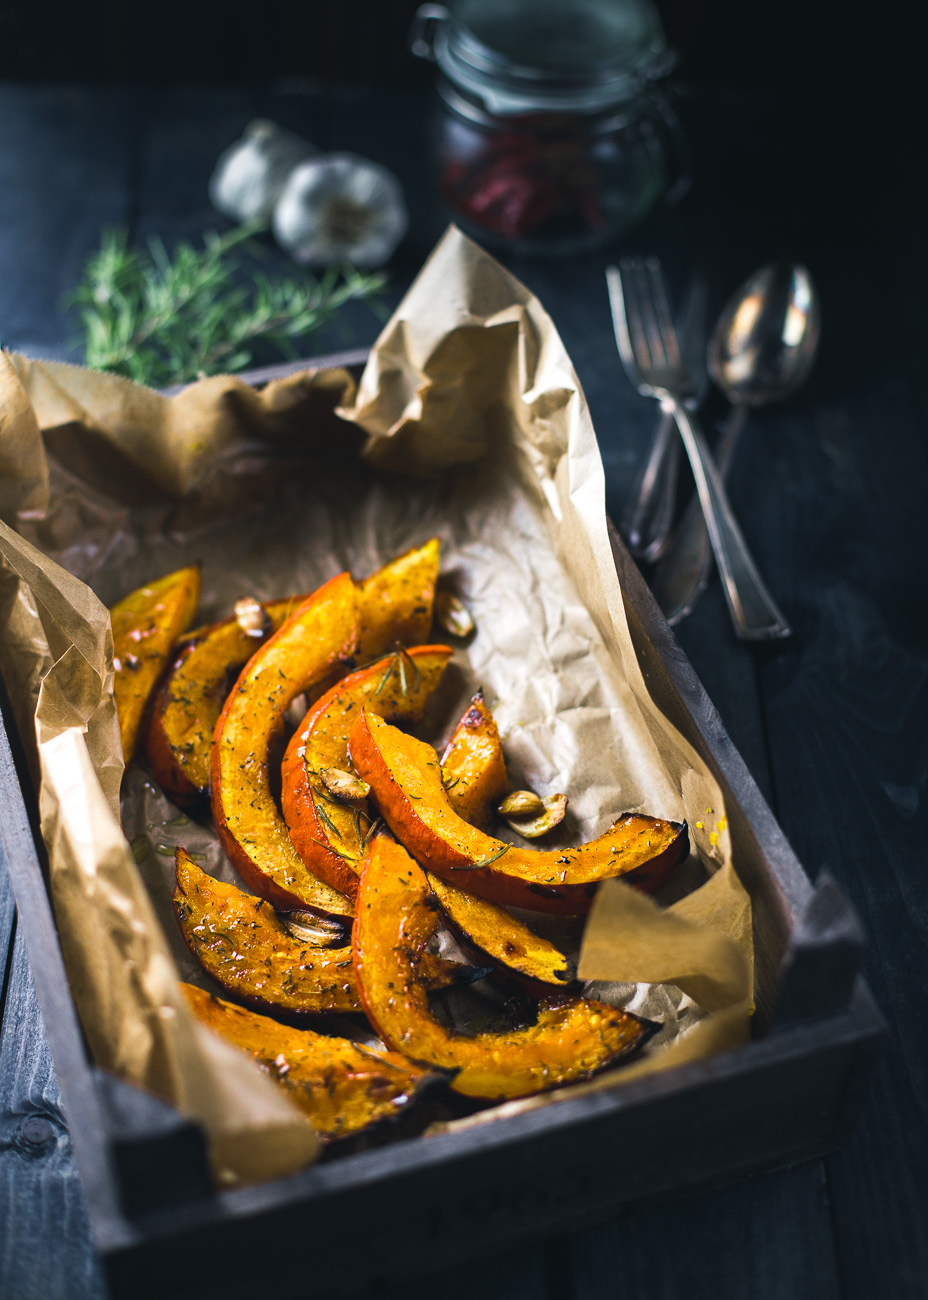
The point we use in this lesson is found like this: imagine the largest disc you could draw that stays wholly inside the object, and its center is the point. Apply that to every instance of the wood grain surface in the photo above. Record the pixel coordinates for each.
(831, 492)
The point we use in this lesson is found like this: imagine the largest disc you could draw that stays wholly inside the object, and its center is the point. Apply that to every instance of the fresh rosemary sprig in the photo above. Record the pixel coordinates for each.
(168, 318)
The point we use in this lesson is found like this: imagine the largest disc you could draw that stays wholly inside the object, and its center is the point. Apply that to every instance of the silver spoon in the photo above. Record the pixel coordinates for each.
(761, 351)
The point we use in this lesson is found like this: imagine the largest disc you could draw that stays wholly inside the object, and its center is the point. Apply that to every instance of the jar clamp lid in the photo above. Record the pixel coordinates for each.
(544, 55)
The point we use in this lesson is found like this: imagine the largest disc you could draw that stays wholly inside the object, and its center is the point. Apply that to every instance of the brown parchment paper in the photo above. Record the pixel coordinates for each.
(106, 484)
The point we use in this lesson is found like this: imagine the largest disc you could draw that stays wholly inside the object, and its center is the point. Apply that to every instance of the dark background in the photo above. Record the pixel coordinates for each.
(841, 78)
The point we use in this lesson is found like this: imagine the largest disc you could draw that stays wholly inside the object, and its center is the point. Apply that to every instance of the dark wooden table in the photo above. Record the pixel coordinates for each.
(833, 724)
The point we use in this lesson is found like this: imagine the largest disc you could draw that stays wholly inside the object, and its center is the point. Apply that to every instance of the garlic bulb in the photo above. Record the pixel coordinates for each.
(340, 208)
(250, 175)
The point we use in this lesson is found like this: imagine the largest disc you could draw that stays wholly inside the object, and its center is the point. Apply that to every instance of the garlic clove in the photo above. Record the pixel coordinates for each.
(320, 931)
(344, 785)
(533, 827)
(521, 803)
(340, 208)
(252, 617)
(452, 615)
(250, 175)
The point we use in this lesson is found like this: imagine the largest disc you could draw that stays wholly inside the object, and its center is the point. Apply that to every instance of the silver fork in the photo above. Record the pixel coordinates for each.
(650, 353)
(647, 517)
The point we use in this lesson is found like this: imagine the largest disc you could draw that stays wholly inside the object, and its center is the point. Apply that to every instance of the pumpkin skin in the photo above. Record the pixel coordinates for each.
(189, 702)
(473, 768)
(146, 623)
(312, 646)
(328, 833)
(395, 603)
(340, 1086)
(395, 918)
(405, 780)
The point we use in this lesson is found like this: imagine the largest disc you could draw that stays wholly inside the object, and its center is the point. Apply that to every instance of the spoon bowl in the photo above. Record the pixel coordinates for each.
(766, 338)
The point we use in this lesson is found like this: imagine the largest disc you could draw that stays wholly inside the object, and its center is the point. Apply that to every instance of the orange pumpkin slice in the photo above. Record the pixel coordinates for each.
(327, 832)
(146, 623)
(241, 942)
(189, 702)
(340, 1086)
(473, 769)
(246, 947)
(502, 936)
(405, 780)
(302, 656)
(395, 603)
(473, 772)
(395, 919)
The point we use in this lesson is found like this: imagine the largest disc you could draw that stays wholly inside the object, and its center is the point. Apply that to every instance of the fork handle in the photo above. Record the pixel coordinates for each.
(753, 610)
(648, 515)
(686, 564)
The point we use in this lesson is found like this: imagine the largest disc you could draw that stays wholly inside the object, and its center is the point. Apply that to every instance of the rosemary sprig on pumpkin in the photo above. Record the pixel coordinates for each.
(318, 799)
(484, 862)
(165, 318)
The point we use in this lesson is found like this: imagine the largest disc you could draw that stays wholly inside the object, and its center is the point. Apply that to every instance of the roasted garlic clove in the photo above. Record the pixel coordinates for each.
(521, 803)
(452, 615)
(252, 617)
(551, 814)
(344, 785)
(320, 931)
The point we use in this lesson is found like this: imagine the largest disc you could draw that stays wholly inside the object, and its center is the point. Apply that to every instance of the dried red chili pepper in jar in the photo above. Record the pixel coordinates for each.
(553, 134)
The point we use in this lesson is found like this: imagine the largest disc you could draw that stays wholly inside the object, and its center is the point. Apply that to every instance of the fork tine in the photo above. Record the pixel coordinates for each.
(648, 314)
(620, 321)
(662, 318)
(641, 336)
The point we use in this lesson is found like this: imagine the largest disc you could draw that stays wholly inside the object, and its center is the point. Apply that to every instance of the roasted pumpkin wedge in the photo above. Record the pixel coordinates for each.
(189, 701)
(473, 769)
(502, 936)
(146, 623)
(405, 779)
(395, 603)
(312, 646)
(327, 830)
(341, 1086)
(241, 942)
(395, 919)
(247, 948)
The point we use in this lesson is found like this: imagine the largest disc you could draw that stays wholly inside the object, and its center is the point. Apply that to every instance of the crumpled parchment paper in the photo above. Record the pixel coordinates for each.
(468, 424)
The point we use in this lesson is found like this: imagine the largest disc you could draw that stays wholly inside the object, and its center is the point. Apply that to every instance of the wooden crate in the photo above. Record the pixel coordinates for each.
(425, 1203)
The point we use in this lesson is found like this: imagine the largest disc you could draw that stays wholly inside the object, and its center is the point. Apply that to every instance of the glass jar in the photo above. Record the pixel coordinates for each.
(553, 135)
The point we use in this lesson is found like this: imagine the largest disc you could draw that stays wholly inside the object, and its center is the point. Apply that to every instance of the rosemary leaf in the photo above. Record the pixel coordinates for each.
(323, 815)
(407, 657)
(485, 862)
(168, 317)
(333, 848)
(387, 675)
(371, 832)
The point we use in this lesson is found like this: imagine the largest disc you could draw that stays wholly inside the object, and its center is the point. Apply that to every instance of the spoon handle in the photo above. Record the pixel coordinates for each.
(648, 515)
(754, 612)
(686, 564)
